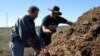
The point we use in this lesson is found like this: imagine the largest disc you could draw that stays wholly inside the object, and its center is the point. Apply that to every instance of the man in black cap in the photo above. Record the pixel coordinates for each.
(50, 23)
(24, 34)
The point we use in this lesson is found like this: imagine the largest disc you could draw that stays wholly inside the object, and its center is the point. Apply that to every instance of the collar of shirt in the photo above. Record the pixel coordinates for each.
(30, 19)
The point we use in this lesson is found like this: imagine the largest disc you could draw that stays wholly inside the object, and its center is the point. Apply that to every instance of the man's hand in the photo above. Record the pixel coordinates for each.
(29, 43)
(46, 30)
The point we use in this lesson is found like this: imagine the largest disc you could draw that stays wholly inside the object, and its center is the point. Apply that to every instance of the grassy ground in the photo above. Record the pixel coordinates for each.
(4, 41)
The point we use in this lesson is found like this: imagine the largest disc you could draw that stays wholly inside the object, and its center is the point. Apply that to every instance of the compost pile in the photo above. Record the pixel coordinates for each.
(80, 39)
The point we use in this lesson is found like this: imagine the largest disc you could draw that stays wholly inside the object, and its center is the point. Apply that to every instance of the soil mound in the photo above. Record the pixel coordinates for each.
(80, 39)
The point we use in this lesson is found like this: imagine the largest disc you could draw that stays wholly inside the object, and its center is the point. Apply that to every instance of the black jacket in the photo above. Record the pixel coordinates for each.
(24, 28)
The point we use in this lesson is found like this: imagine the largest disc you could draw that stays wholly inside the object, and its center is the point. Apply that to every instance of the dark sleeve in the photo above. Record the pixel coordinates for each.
(34, 32)
(62, 20)
(45, 21)
(24, 30)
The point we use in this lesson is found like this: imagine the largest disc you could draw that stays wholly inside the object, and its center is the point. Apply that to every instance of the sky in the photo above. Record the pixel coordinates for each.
(11, 10)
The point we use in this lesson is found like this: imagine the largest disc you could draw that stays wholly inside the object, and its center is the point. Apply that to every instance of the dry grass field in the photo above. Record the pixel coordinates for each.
(4, 41)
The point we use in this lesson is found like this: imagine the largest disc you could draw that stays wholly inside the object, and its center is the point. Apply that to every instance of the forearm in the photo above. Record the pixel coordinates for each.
(70, 23)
